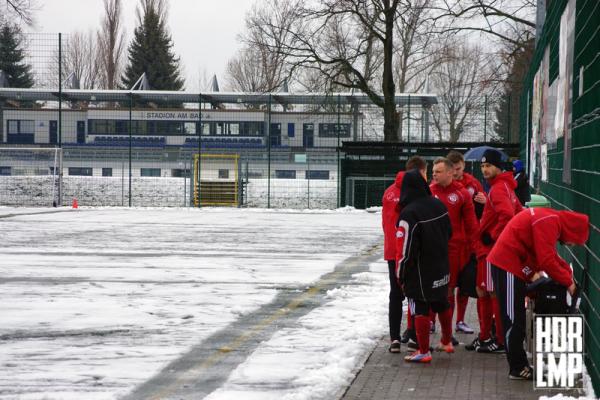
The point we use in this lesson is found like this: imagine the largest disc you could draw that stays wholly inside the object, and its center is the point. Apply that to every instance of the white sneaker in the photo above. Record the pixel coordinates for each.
(462, 326)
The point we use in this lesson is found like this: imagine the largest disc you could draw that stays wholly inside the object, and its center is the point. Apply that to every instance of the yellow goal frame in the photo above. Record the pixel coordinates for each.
(209, 188)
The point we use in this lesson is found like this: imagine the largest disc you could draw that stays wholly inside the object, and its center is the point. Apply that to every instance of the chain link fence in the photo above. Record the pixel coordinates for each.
(139, 148)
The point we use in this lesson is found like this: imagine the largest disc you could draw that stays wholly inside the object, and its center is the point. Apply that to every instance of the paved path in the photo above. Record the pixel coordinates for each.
(464, 375)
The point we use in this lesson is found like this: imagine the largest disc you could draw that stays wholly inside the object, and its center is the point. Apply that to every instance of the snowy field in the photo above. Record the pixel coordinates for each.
(161, 192)
(96, 302)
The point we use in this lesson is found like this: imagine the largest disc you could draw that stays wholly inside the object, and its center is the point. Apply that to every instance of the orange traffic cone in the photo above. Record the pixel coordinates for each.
(75, 205)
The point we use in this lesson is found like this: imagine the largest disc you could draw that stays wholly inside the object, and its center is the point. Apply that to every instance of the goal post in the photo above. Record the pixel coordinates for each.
(31, 176)
(216, 180)
(364, 192)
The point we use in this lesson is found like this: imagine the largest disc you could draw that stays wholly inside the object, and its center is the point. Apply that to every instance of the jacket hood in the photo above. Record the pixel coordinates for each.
(398, 181)
(413, 187)
(505, 177)
(574, 227)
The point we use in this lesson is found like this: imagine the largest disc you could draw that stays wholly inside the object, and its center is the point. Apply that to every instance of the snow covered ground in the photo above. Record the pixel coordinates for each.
(97, 301)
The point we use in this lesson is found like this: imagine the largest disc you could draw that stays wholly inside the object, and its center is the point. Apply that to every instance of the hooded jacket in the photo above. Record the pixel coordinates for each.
(422, 241)
(501, 206)
(461, 212)
(528, 243)
(390, 212)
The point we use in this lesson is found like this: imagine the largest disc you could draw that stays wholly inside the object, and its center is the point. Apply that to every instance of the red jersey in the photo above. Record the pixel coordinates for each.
(461, 212)
(501, 206)
(390, 212)
(528, 243)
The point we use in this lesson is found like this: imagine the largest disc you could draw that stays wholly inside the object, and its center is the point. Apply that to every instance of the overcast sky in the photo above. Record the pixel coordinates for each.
(203, 31)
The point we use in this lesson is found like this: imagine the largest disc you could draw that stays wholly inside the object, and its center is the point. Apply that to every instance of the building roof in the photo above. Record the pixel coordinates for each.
(417, 99)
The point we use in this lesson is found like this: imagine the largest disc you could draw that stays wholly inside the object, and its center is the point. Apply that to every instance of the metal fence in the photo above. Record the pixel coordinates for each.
(137, 147)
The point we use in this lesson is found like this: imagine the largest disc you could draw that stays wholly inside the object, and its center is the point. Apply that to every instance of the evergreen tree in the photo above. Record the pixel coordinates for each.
(17, 72)
(151, 52)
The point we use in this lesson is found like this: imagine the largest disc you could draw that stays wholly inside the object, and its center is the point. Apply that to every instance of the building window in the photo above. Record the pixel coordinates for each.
(106, 171)
(285, 174)
(331, 130)
(223, 174)
(189, 128)
(150, 172)
(80, 171)
(16, 126)
(5, 171)
(291, 130)
(316, 174)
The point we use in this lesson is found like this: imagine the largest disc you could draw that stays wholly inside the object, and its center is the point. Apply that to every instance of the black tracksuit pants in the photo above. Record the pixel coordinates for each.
(395, 307)
(511, 292)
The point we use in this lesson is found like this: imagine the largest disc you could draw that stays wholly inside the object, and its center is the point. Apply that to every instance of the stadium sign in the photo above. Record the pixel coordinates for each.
(558, 351)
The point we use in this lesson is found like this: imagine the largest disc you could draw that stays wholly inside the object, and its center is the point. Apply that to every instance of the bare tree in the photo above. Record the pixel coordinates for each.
(80, 60)
(23, 9)
(111, 44)
(416, 50)
(460, 83)
(349, 42)
(261, 66)
(511, 21)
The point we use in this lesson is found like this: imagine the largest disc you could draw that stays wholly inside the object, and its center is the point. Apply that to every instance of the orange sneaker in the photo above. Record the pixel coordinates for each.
(447, 348)
(418, 357)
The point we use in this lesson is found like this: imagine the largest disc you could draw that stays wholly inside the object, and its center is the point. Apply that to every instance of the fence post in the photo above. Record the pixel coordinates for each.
(485, 107)
(339, 177)
(508, 118)
(60, 90)
(308, 180)
(269, 153)
(408, 117)
(199, 148)
(130, 144)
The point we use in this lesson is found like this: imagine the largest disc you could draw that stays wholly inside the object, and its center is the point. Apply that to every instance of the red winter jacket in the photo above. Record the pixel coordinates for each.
(461, 212)
(473, 186)
(528, 243)
(501, 206)
(390, 212)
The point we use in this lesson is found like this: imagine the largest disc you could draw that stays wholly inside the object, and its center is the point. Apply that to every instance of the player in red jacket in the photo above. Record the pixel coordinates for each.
(390, 212)
(479, 198)
(501, 206)
(462, 217)
(528, 245)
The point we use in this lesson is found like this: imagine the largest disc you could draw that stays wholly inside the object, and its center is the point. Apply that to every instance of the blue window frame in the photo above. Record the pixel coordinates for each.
(317, 174)
(285, 174)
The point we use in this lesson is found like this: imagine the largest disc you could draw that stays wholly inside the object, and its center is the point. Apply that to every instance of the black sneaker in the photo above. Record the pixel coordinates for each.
(415, 346)
(394, 347)
(526, 374)
(487, 346)
(412, 344)
(500, 348)
(454, 341)
(406, 335)
(476, 342)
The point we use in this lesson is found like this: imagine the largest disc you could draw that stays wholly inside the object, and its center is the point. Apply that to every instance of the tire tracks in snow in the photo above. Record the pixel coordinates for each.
(206, 366)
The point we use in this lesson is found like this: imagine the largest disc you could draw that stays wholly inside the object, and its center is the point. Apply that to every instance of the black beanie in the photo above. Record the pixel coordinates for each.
(492, 156)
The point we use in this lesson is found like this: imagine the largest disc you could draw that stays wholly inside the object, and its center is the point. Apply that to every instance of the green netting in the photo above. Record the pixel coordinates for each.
(573, 177)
